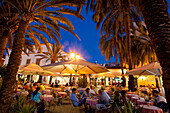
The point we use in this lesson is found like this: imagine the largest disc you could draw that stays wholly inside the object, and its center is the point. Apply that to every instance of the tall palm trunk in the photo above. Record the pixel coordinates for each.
(12, 68)
(157, 20)
(3, 43)
(51, 77)
(128, 42)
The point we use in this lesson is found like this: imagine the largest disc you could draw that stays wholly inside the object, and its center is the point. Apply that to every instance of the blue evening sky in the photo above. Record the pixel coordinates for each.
(90, 37)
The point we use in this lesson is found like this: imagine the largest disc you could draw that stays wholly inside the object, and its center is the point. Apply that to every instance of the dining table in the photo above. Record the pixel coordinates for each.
(46, 91)
(81, 90)
(62, 94)
(143, 102)
(47, 87)
(134, 99)
(47, 98)
(57, 89)
(131, 95)
(24, 93)
(150, 109)
(92, 102)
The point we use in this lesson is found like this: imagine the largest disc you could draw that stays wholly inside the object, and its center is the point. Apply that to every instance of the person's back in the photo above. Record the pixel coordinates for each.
(104, 98)
(42, 86)
(92, 92)
(159, 101)
(86, 93)
(162, 103)
(74, 99)
(36, 95)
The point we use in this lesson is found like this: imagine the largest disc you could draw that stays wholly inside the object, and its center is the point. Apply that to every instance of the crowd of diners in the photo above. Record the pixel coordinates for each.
(114, 95)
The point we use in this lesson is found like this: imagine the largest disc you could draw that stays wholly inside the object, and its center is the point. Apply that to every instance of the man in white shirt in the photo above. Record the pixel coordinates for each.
(92, 92)
(159, 101)
(103, 100)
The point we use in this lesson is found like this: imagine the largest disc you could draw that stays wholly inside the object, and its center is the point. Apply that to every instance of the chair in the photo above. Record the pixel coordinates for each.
(73, 108)
(107, 109)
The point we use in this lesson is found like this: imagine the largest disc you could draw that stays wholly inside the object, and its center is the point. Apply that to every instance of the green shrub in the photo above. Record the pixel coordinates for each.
(22, 106)
(82, 82)
(130, 109)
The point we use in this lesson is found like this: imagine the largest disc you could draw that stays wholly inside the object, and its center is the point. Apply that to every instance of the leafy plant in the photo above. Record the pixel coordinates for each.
(129, 109)
(2, 70)
(82, 82)
(22, 106)
(2, 73)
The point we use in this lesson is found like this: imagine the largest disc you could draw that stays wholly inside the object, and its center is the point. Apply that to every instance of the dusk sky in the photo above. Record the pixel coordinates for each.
(90, 37)
(88, 46)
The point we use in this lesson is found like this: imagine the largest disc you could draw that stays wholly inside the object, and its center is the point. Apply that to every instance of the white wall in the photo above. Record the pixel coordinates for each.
(33, 57)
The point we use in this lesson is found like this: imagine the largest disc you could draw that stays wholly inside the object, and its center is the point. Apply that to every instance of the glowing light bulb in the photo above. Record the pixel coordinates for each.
(72, 54)
(77, 56)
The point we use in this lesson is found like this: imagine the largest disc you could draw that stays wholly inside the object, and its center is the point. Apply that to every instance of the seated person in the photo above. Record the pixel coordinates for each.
(159, 100)
(25, 86)
(75, 100)
(123, 99)
(35, 85)
(86, 93)
(92, 92)
(56, 85)
(52, 85)
(36, 97)
(103, 100)
(116, 97)
(42, 86)
(66, 85)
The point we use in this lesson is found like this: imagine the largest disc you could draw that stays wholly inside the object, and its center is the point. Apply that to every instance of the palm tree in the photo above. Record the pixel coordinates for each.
(56, 54)
(8, 24)
(157, 20)
(111, 47)
(32, 11)
(117, 16)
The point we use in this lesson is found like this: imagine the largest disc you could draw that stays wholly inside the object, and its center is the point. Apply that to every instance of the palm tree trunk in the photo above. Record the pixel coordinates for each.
(12, 68)
(128, 40)
(3, 43)
(157, 20)
(51, 77)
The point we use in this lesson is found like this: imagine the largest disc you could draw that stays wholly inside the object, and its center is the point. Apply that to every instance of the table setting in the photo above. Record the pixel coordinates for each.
(46, 91)
(62, 94)
(134, 99)
(92, 101)
(47, 87)
(24, 93)
(144, 102)
(131, 95)
(57, 89)
(150, 109)
(46, 97)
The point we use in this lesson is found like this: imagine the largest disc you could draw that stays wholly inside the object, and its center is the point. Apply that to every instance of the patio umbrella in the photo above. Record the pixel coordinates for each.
(30, 68)
(71, 66)
(150, 69)
(75, 67)
(34, 69)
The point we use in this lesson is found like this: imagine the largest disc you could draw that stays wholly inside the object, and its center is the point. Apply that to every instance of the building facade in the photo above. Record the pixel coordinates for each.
(33, 58)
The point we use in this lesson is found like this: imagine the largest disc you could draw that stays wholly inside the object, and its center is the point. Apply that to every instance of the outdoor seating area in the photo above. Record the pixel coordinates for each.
(84, 56)
(55, 100)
